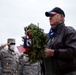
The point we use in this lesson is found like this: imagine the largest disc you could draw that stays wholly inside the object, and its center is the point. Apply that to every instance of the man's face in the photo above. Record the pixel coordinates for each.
(55, 19)
(12, 46)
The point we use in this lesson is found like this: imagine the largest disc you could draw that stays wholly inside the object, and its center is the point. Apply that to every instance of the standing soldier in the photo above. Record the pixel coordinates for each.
(24, 65)
(28, 68)
(8, 59)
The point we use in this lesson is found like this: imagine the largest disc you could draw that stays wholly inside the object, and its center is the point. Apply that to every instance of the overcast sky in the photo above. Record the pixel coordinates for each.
(16, 14)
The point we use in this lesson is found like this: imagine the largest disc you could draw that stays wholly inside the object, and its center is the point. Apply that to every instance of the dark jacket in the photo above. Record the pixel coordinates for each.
(64, 44)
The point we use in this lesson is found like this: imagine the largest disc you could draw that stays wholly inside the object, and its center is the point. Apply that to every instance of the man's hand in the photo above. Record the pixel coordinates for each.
(49, 52)
(5, 45)
(8, 44)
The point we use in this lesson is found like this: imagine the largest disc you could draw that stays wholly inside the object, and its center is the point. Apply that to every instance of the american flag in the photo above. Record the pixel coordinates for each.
(21, 49)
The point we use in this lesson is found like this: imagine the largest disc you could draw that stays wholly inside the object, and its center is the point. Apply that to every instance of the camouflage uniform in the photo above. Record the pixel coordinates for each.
(26, 68)
(8, 63)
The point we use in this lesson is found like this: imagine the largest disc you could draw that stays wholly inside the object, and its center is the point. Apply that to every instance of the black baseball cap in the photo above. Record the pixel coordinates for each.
(57, 10)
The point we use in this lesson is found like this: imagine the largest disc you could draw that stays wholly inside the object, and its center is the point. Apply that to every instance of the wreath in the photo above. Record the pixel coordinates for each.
(38, 42)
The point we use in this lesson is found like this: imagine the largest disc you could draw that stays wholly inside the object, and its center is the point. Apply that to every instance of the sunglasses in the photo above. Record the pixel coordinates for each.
(12, 43)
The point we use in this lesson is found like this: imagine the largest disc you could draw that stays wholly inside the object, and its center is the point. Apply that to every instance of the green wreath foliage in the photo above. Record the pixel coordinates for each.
(39, 40)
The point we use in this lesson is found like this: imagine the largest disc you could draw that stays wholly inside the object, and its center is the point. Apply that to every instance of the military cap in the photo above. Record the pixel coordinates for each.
(11, 40)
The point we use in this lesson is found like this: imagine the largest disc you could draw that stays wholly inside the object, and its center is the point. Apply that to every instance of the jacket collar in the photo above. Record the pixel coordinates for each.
(60, 27)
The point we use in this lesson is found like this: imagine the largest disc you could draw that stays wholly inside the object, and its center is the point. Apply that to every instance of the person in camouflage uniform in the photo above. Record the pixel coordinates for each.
(8, 59)
(24, 65)
(28, 68)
